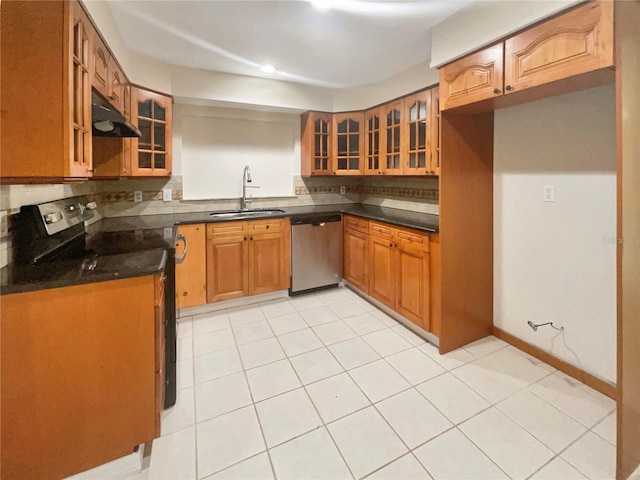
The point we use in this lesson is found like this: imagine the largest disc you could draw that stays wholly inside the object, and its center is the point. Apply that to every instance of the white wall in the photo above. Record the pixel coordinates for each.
(557, 261)
(213, 144)
(482, 23)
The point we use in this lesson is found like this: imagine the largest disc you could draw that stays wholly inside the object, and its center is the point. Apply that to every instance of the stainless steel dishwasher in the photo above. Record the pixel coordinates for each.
(316, 252)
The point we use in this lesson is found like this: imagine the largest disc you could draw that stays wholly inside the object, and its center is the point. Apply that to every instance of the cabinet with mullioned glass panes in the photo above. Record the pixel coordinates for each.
(316, 142)
(373, 147)
(392, 133)
(417, 126)
(150, 154)
(348, 143)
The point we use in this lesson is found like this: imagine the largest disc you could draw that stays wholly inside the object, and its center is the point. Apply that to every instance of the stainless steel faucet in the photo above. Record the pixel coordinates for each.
(246, 178)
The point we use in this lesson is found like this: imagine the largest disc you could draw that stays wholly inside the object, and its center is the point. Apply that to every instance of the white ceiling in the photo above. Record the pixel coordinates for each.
(353, 43)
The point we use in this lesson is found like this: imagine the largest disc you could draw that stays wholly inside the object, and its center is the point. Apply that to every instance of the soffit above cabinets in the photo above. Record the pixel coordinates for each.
(355, 42)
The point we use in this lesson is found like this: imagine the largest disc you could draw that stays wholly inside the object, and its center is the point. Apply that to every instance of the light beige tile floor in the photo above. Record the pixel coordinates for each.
(327, 386)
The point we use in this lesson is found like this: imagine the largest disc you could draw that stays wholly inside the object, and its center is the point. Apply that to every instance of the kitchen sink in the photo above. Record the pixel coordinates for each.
(246, 213)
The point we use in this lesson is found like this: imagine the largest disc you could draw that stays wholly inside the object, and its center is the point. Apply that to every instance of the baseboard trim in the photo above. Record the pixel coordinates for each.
(592, 381)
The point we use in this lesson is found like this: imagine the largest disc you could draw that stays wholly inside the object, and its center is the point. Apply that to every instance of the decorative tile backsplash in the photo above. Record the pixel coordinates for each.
(115, 197)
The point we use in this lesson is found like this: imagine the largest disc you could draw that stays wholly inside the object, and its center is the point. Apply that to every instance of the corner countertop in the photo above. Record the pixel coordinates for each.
(16, 278)
(403, 218)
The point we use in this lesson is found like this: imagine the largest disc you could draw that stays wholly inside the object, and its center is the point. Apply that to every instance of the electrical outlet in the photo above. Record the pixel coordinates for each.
(343, 190)
(137, 196)
(549, 193)
(166, 194)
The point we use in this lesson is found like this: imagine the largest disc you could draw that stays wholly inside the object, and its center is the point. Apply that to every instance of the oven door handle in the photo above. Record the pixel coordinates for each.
(182, 238)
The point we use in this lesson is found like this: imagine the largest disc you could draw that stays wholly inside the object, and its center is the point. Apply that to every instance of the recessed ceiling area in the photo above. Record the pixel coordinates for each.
(345, 44)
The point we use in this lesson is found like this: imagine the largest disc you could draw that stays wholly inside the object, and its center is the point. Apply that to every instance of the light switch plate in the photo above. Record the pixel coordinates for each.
(343, 190)
(549, 193)
(166, 194)
(137, 196)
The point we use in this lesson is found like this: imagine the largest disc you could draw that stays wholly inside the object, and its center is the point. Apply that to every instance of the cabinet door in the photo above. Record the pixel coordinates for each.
(348, 145)
(80, 151)
(316, 144)
(392, 134)
(382, 270)
(577, 42)
(472, 78)
(152, 113)
(434, 132)
(191, 274)
(416, 141)
(117, 85)
(356, 259)
(100, 80)
(227, 267)
(373, 149)
(412, 277)
(266, 262)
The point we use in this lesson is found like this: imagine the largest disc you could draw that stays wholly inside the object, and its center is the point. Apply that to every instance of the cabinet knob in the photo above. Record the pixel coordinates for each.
(335, 173)
(245, 239)
(391, 244)
(250, 238)
(267, 227)
(496, 90)
(508, 88)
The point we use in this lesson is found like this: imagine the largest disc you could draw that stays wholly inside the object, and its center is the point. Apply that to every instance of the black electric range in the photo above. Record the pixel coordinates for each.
(53, 249)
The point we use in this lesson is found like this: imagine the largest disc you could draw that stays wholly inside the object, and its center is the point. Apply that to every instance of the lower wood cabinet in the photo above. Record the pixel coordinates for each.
(247, 258)
(191, 274)
(356, 252)
(392, 265)
(82, 375)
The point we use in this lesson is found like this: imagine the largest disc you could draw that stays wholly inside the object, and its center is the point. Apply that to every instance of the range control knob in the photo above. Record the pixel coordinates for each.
(92, 206)
(53, 217)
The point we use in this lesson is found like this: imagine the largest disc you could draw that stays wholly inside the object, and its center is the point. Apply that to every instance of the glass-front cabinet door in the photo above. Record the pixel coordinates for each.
(373, 147)
(418, 125)
(348, 147)
(321, 157)
(151, 112)
(393, 127)
(80, 161)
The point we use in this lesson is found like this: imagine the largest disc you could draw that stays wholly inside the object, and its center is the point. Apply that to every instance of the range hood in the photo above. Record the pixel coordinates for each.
(108, 122)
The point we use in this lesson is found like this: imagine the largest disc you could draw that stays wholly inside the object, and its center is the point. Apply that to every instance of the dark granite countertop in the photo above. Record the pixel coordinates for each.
(403, 218)
(16, 278)
(126, 247)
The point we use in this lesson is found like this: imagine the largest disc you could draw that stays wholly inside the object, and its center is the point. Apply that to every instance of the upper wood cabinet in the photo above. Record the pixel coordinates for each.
(101, 64)
(316, 144)
(373, 146)
(191, 273)
(417, 141)
(574, 43)
(393, 127)
(473, 78)
(398, 138)
(117, 86)
(348, 144)
(46, 91)
(152, 113)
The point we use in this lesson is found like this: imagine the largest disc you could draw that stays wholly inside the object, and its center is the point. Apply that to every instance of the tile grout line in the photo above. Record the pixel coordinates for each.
(317, 412)
(255, 410)
(446, 370)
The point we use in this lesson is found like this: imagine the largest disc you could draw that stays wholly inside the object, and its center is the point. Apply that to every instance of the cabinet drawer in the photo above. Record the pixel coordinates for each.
(268, 226)
(381, 230)
(226, 228)
(413, 239)
(357, 224)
